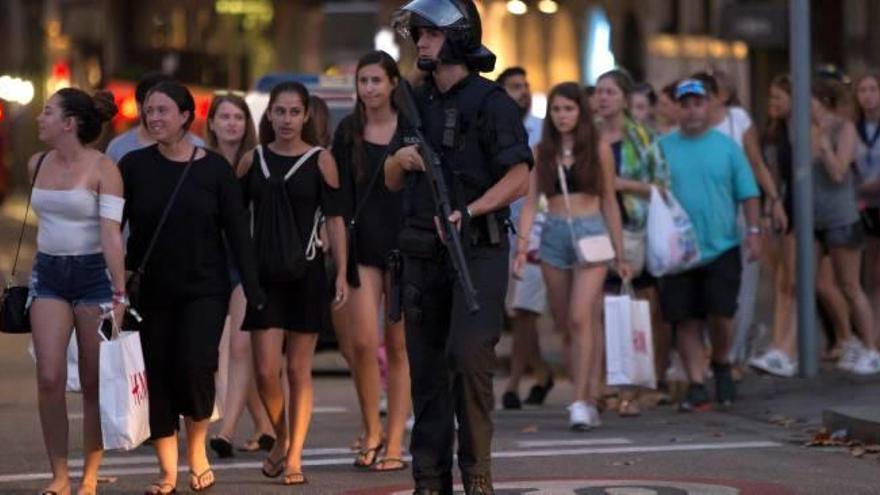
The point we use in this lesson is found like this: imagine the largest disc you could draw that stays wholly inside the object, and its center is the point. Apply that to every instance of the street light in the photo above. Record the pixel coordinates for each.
(517, 7)
(548, 6)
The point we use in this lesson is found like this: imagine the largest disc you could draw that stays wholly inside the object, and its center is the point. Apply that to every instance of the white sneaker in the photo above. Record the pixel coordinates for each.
(775, 362)
(868, 363)
(579, 416)
(595, 420)
(851, 349)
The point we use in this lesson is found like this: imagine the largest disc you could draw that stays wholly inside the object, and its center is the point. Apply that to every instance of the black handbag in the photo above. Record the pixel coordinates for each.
(133, 284)
(14, 311)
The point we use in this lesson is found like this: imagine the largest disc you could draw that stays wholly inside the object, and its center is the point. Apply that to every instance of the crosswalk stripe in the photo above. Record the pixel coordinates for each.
(147, 459)
(530, 444)
(509, 454)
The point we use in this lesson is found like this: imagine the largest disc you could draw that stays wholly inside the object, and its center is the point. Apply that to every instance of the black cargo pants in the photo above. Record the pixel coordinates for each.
(452, 358)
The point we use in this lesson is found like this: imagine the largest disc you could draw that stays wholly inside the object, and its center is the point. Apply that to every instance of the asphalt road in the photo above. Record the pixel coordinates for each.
(757, 448)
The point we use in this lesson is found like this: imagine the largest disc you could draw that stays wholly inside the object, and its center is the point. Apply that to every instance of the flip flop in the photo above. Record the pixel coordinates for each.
(399, 465)
(291, 479)
(199, 478)
(273, 469)
(158, 488)
(373, 454)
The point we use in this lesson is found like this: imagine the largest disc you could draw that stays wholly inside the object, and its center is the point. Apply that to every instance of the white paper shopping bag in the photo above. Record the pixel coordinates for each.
(123, 398)
(629, 346)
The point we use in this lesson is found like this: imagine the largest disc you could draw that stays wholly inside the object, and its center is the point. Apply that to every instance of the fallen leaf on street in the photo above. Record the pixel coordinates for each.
(857, 451)
(529, 429)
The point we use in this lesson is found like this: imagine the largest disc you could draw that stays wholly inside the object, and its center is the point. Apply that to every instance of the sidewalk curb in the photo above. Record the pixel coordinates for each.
(860, 422)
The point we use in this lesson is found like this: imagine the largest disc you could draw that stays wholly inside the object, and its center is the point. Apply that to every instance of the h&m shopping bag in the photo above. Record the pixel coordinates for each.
(629, 346)
(673, 246)
(123, 398)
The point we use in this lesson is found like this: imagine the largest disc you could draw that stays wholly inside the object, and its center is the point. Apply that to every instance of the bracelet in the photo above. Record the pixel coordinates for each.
(753, 230)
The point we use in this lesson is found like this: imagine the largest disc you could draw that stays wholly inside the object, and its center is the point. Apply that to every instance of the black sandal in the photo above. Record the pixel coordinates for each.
(199, 478)
(373, 454)
(222, 447)
(273, 469)
(538, 393)
(399, 465)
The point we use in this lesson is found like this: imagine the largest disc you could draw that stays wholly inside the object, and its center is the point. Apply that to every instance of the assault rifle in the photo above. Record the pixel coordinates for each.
(440, 194)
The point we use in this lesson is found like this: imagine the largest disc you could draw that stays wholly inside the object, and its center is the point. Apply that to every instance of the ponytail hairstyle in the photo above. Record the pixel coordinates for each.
(586, 168)
(90, 112)
(355, 136)
(267, 133)
(319, 119)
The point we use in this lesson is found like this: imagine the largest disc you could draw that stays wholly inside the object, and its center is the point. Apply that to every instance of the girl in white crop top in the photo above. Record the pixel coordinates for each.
(79, 269)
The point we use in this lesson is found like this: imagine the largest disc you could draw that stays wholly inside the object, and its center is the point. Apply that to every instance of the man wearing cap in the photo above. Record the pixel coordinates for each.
(477, 130)
(710, 177)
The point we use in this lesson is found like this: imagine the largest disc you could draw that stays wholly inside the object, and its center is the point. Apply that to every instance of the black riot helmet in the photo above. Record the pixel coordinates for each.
(460, 22)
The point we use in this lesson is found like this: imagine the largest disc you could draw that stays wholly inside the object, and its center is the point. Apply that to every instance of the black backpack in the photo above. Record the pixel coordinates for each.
(281, 256)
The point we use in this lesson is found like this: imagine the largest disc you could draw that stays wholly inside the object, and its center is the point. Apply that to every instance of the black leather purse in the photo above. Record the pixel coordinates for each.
(14, 311)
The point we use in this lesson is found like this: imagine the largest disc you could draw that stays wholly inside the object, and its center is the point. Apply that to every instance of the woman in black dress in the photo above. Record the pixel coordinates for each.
(287, 177)
(185, 287)
(360, 146)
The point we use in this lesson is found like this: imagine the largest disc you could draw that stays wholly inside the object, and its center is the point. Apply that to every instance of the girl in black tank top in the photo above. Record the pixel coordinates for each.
(375, 218)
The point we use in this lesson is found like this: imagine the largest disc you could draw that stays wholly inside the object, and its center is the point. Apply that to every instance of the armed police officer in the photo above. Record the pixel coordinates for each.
(475, 143)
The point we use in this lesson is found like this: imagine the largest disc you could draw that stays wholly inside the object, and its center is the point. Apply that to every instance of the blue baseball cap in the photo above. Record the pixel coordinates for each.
(690, 87)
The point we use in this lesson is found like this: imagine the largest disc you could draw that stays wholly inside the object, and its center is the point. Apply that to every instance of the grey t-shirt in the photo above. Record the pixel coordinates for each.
(128, 141)
(834, 203)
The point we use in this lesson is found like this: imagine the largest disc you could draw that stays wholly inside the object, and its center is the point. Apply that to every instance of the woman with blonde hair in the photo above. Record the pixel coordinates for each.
(232, 133)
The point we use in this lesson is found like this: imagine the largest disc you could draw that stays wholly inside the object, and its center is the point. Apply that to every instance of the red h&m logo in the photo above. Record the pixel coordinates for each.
(138, 381)
(640, 342)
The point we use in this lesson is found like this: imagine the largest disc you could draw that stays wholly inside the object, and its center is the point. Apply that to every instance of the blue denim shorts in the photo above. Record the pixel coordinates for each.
(557, 245)
(78, 280)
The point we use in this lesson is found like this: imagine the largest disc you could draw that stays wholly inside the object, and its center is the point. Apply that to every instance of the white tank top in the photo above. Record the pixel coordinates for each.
(70, 220)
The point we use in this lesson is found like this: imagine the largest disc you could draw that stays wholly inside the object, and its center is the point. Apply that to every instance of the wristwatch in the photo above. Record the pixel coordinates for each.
(754, 230)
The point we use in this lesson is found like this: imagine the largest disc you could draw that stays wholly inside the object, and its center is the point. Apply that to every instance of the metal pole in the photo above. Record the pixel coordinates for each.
(799, 45)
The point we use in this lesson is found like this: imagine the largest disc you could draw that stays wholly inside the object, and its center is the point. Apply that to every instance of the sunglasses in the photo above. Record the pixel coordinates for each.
(230, 92)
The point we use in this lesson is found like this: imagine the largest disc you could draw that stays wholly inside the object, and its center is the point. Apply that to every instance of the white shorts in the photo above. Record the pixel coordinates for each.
(530, 293)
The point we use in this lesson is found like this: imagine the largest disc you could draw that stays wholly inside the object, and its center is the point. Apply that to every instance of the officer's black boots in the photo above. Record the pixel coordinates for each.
(478, 485)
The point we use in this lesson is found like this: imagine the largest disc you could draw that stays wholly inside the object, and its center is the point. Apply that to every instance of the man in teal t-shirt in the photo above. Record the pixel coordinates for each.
(710, 178)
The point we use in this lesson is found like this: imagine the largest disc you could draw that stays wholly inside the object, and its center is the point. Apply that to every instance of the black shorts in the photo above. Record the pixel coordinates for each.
(871, 221)
(848, 236)
(709, 290)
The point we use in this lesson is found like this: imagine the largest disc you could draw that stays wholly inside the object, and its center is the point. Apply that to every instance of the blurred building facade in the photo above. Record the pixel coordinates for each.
(231, 43)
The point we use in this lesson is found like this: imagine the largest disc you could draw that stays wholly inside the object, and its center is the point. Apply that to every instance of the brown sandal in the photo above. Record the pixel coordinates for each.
(628, 409)
(291, 479)
(158, 488)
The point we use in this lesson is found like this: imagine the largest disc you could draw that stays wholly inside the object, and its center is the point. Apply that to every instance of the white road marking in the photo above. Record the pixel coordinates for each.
(530, 444)
(345, 461)
(329, 410)
(148, 459)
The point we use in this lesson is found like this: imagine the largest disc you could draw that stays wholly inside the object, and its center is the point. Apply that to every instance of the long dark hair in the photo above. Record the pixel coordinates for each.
(267, 133)
(777, 128)
(586, 168)
(860, 112)
(319, 118)
(90, 112)
(248, 141)
(354, 136)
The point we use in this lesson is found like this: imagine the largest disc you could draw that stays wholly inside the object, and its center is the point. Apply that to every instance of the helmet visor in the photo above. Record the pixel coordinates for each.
(440, 13)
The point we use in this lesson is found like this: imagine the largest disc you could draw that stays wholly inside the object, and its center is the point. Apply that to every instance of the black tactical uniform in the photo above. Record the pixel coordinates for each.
(477, 130)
